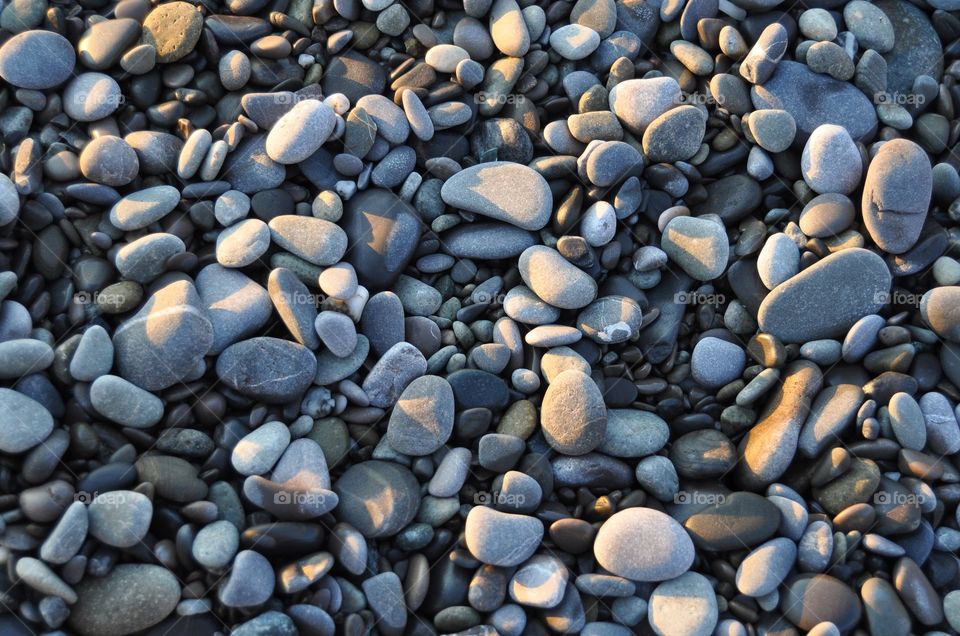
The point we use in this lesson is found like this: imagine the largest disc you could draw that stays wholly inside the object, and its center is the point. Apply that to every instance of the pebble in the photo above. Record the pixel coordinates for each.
(37, 60)
(765, 568)
(139, 595)
(268, 369)
(500, 538)
(716, 362)
(422, 419)
(896, 194)
(643, 544)
(250, 582)
(685, 606)
(699, 246)
(573, 416)
(830, 161)
(638, 102)
(827, 298)
(300, 132)
(377, 498)
(494, 190)
(30, 423)
(555, 280)
(120, 518)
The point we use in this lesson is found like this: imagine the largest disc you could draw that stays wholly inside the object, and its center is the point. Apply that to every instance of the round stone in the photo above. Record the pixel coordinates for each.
(120, 518)
(377, 498)
(716, 362)
(138, 595)
(675, 135)
(173, 29)
(698, 245)
(91, 96)
(37, 60)
(643, 544)
(573, 416)
(109, 160)
(830, 161)
(685, 606)
(422, 419)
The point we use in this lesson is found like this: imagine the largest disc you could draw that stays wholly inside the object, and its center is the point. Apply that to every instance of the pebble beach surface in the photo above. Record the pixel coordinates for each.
(479, 317)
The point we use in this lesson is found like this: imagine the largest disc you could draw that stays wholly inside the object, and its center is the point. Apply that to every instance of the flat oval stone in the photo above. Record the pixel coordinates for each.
(268, 369)
(315, 240)
(37, 60)
(501, 190)
(26, 422)
(422, 419)
(643, 544)
(555, 279)
(633, 433)
(104, 42)
(732, 522)
(896, 195)
(138, 595)
(809, 599)
(300, 132)
(125, 403)
(916, 50)
(377, 498)
(573, 416)
(762, 571)
(827, 298)
(814, 99)
(501, 538)
(144, 207)
(487, 241)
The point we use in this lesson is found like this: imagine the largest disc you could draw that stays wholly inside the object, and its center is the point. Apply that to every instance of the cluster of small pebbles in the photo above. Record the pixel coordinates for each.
(480, 317)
